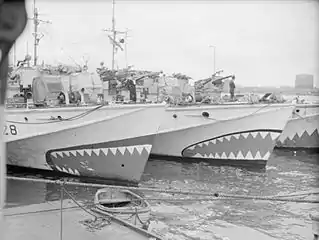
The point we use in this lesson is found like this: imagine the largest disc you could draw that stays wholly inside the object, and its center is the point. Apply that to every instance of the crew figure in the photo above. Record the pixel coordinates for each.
(232, 87)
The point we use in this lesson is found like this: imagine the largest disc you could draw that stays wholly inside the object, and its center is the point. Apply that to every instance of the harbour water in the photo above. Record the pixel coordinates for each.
(287, 172)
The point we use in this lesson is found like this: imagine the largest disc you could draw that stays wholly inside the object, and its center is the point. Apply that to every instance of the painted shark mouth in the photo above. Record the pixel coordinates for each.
(300, 133)
(247, 145)
(100, 162)
(304, 140)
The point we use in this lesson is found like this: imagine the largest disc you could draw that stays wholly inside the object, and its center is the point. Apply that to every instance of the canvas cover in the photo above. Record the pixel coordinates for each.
(89, 81)
(46, 88)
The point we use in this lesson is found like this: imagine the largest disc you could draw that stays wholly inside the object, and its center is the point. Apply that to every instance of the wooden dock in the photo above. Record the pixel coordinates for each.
(43, 221)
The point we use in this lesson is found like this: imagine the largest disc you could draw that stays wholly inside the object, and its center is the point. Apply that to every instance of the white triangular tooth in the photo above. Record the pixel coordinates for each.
(249, 156)
(266, 156)
(310, 131)
(139, 149)
(105, 150)
(53, 154)
(217, 155)
(213, 141)
(81, 152)
(76, 172)
(254, 134)
(88, 151)
(258, 156)
(200, 144)
(71, 171)
(60, 154)
(223, 156)
(97, 151)
(291, 137)
(231, 156)
(274, 135)
(300, 133)
(57, 167)
(122, 150)
(281, 139)
(245, 135)
(198, 155)
(148, 148)
(211, 155)
(130, 149)
(263, 134)
(221, 139)
(73, 153)
(228, 137)
(192, 147)
(237, 135)
(64, 170)
(206, 143)
(240, 155)
(113, 150)
(67, 153)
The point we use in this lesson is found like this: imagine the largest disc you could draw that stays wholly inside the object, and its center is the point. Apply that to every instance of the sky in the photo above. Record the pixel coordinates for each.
(264, 43)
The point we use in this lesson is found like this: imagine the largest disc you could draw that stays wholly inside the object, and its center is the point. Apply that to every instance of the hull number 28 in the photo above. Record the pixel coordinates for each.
(10, 130)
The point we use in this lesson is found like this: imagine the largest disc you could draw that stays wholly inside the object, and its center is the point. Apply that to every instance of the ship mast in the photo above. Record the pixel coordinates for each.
(37, 36)
(115, 33)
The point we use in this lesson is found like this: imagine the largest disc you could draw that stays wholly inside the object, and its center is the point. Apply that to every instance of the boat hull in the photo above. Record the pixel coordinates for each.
(293, 137)
(107, 145)
(138, 218)
(102, 144)
(246, 140)
(137, 214)
(300, 133)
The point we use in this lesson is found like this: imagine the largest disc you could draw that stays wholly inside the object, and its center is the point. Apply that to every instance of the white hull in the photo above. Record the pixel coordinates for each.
(99, 144)
(301, 131)
(107, 142)
(248, 139)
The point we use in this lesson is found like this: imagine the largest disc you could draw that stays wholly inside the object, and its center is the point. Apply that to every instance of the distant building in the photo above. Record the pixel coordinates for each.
(304, 81)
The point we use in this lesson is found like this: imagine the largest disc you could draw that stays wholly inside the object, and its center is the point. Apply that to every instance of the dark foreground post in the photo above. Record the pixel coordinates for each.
(315, 226)
(13, 18)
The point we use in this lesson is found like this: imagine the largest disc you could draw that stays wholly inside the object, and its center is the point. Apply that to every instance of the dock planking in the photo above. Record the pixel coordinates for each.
(43, 221)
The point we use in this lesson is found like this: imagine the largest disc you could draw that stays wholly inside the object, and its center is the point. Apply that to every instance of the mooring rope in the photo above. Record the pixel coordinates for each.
(55, 120)
(212, 195)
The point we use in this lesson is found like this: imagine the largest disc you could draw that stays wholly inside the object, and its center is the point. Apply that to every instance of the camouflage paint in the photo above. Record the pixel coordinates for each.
(300, 133)
(248, 145)
(115, 163)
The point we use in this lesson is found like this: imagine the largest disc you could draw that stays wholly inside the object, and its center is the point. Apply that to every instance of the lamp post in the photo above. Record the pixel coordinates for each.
(214, 57)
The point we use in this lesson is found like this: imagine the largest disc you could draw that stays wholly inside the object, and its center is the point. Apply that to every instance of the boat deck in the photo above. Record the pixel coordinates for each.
(43, 221)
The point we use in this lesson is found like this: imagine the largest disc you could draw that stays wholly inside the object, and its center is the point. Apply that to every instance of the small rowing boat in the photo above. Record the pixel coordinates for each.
(123, 204)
